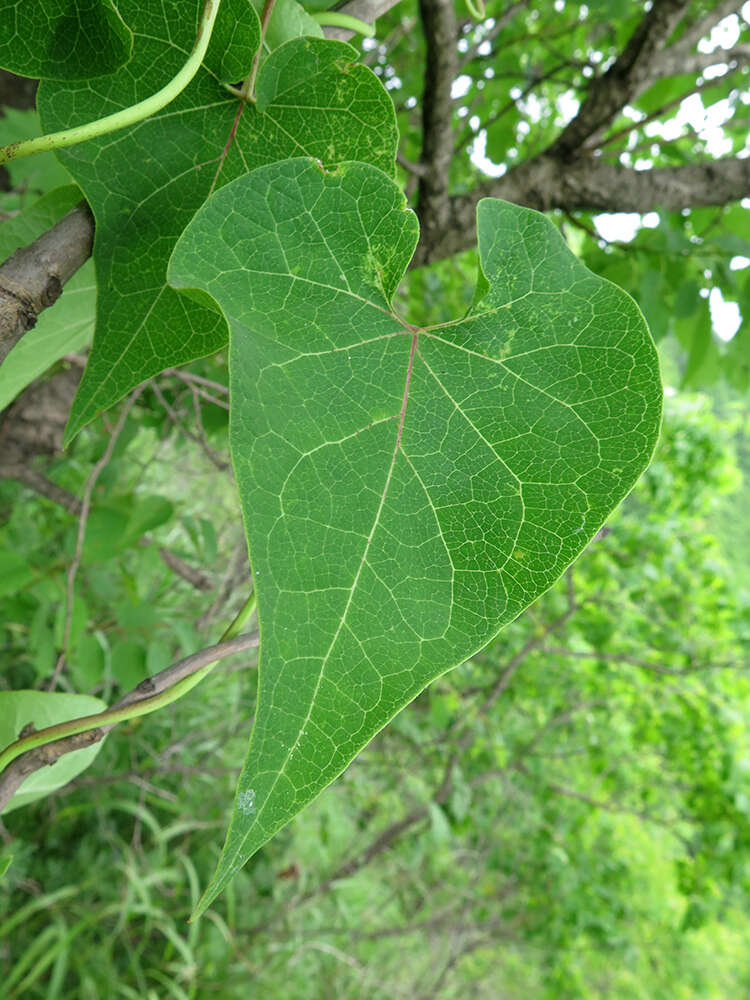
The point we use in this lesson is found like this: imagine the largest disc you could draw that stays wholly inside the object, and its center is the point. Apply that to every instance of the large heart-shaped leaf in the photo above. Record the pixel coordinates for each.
(405, 492)
(311, 99)
(61, 39)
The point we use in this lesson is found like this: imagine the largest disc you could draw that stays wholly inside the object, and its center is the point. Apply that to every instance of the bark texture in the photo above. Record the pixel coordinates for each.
(33, 278)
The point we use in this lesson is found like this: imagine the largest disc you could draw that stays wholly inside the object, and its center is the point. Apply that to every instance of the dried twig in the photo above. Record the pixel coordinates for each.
(81, 535)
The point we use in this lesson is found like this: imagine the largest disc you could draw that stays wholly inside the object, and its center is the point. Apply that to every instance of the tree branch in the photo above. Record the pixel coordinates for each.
(702, 27)
(674, 61)
(589, 184)
(441, 37)
(631, 71)
(33, 278)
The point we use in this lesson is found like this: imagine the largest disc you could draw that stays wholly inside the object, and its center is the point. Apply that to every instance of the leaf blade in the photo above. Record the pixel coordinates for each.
(405, 492)
(202, 140)
(61, 41)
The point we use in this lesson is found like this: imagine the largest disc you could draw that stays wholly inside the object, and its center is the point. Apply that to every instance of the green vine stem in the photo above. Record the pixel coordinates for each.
(476, 9)
(332, 19)
(128, 116)
(133, 706)
(243, 616)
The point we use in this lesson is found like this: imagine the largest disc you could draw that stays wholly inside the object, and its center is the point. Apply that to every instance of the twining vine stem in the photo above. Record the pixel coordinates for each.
(334, 19)
(168, 685)
(128, 116)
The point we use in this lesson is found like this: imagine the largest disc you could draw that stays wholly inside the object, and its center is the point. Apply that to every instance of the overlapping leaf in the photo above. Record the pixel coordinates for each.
(63, 40)
(405, 492)
(145, 183)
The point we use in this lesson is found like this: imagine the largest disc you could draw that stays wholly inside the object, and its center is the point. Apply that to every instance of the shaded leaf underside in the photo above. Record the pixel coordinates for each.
(405, 492)
(145, 183)
(62, 40)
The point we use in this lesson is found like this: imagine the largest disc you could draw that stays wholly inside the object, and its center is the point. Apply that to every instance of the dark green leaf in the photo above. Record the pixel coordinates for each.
(312, 98)
(62, 39)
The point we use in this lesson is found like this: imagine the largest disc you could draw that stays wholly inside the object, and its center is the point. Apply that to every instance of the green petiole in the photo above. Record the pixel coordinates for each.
(476, 9)
(332, 19)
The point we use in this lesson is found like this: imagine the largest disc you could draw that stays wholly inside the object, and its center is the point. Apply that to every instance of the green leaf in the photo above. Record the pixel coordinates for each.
(33, 176)
(87, 662)
(63, 40)
(69, 325)
(288, 20)
(405, 492)
(105, 533)
(312, 99)
(43, 708)
(128, 663)
(501, 135)
(17, 573)
(148, 513)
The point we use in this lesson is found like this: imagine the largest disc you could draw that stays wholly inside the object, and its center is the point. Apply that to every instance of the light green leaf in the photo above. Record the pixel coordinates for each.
(313, 100)
(128, 663)
(405, 492)
(63, 40)
(501, 135)
(44, 708)
(288, 20)
(16, 574)
(148, 513)
(31, 176)
(69, 325)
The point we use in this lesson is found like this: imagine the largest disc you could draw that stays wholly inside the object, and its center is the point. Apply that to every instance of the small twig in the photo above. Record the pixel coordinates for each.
(228, 584)
(468, 135)
(413, 168)
(188, 573)
(391, 40)
(186, 376)
(632, 126)
(611, 807)
(632, 661)
(29, 477)
(500, 22)
(211, 455)
(85, 508)
(38, 482)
